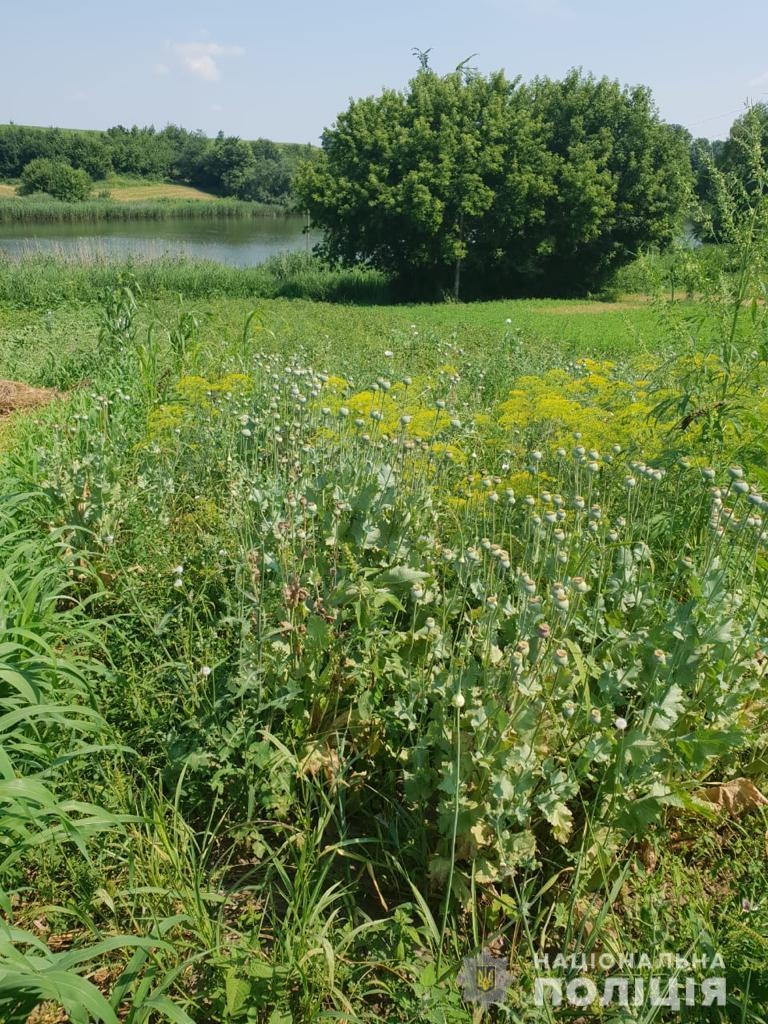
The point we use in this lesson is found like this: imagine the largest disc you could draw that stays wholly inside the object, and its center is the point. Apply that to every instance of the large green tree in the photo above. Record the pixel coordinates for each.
(486, 186)
(405, 179)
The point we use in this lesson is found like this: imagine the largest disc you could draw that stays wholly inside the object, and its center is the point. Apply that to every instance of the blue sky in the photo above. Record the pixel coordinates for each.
(284, 69)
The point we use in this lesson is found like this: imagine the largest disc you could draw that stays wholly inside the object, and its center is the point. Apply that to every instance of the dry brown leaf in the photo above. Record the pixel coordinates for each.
(735, 797)
(64, 940)
(647, 855)
(322, 759)
(495, 946)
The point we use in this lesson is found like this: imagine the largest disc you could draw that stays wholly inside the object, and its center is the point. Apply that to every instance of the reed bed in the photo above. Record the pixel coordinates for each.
(44, 210)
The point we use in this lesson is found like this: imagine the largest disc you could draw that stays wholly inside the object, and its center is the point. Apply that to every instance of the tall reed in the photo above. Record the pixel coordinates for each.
(49, 211)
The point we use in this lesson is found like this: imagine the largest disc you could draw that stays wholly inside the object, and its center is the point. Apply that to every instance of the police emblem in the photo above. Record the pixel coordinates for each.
(484, 979)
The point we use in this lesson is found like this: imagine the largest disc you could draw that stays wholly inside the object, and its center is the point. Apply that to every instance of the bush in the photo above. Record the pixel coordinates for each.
(56, 178)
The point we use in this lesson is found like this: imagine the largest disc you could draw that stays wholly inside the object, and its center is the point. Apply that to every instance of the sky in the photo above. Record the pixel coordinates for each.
(283, 70)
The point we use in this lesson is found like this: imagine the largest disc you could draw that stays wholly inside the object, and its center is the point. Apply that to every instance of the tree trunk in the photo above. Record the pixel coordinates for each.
(457, 267)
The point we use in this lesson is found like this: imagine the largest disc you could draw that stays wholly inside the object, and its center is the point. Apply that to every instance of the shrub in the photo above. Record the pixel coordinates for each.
(55, 177)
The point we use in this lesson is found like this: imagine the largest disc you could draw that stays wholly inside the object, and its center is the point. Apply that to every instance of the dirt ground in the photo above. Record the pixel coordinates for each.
(14, 396)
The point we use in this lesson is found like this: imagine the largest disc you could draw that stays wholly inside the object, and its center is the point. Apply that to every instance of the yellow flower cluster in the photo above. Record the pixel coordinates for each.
(591, 399)
(193, 394)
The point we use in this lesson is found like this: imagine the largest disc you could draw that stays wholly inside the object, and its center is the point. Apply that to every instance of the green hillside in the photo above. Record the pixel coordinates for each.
(226, 166)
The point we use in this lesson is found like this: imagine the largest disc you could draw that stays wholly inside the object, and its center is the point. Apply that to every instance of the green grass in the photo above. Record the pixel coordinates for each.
(44, 343)
(284, 546)
(46, 281)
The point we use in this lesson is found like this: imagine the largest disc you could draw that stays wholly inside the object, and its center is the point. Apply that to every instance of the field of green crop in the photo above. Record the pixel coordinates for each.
(344, 642)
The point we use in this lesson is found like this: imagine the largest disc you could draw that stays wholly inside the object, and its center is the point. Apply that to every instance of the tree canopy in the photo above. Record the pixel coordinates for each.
(486, 186)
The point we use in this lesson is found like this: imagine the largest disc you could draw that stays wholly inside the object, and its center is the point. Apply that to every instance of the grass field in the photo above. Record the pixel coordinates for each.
(343, 642)
(126, 190)
(540, 334)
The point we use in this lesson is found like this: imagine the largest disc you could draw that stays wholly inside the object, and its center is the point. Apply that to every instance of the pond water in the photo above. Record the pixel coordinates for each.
(238, 242)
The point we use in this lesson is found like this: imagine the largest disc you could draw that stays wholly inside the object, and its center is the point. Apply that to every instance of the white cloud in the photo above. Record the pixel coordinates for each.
(200, 59)
(202, 65)
(760, 80)
(161, 69)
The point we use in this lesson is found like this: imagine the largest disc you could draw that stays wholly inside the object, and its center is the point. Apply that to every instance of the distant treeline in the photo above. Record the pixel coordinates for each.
(226, 165)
